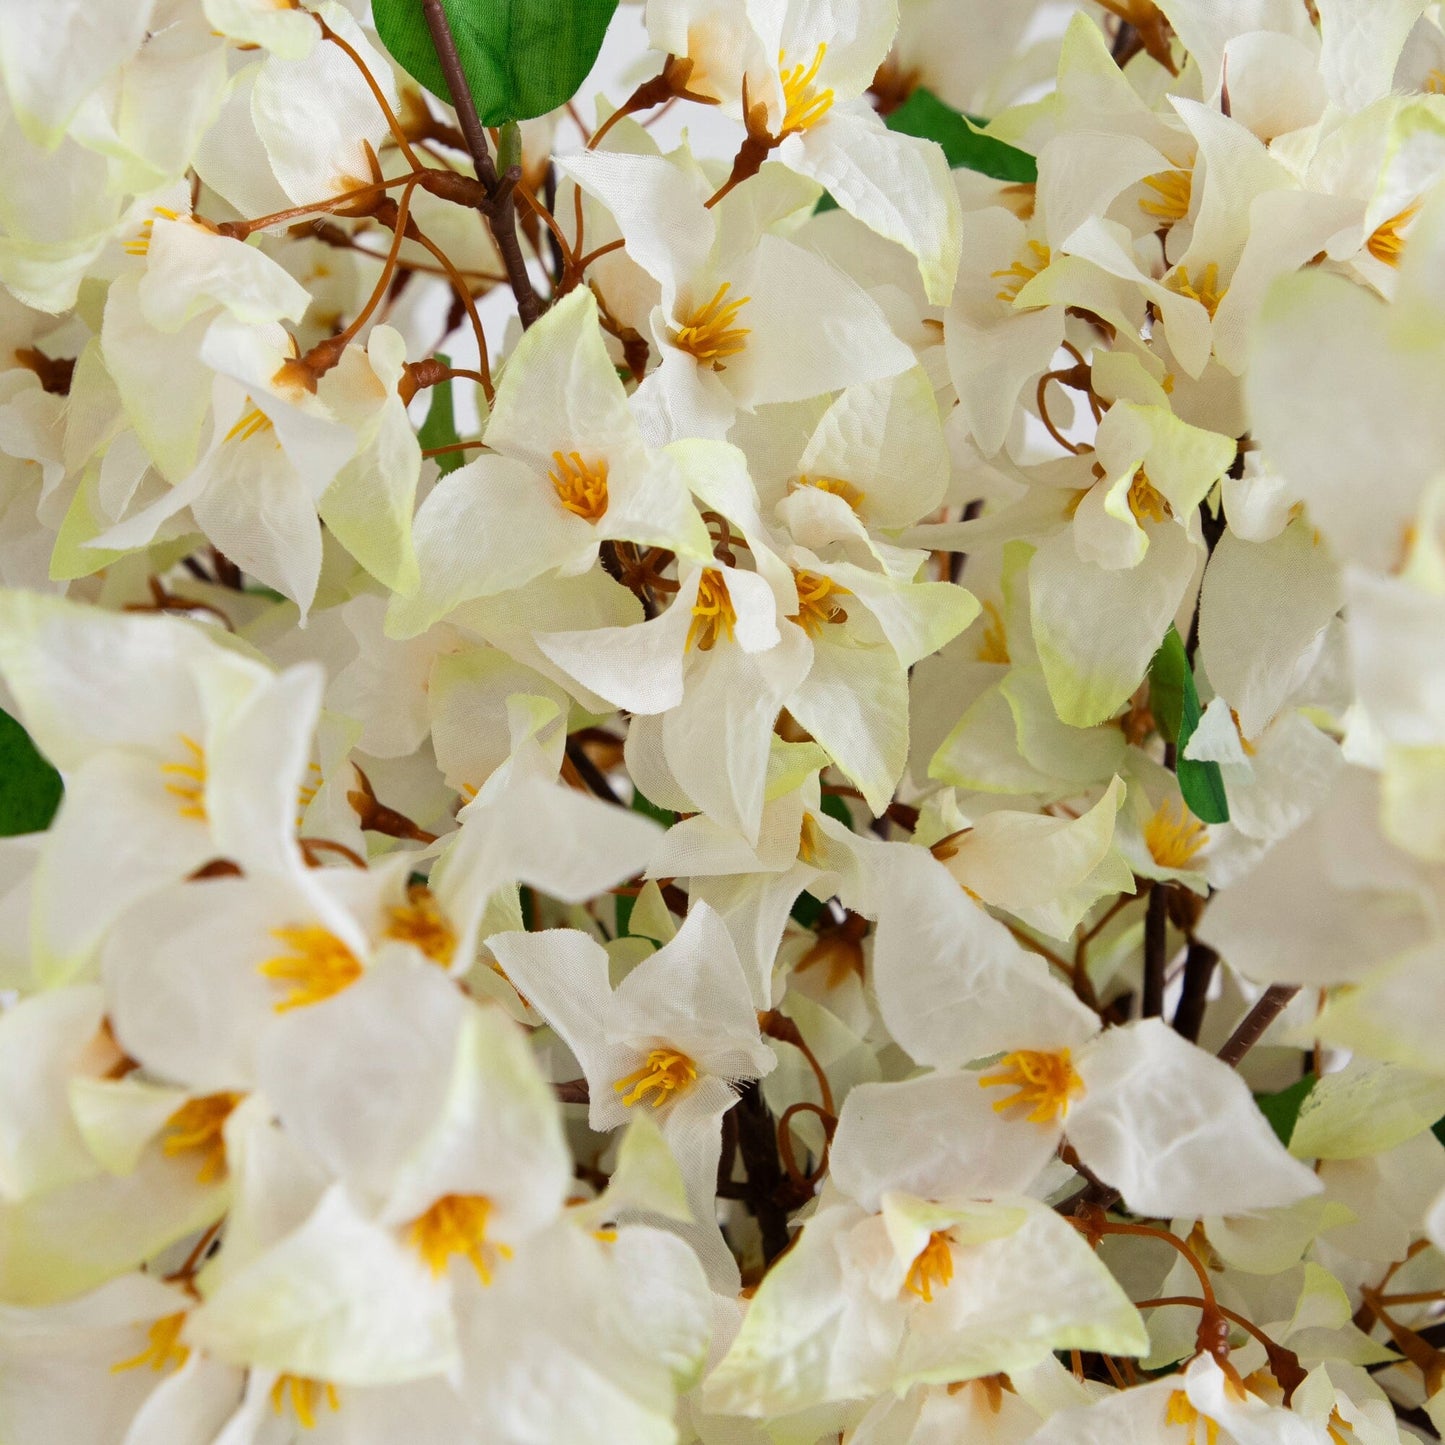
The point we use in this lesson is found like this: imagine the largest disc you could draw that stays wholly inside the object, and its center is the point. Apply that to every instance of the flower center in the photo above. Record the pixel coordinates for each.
(581, 486)
(189, 777)
(457, 1224)
(307, 792)
(817, 607)
(140, 244)
(253, 420)
(713, 614)
(198, 1125)
(1174, 190)
(665, 1073)
(318, 965)
(164, 1347)
(1206, 291)
(1145, 502)
(420, 922)
(803, 106)
(1172, 836)
(932, 1267)
(835, 487)
(1387, 244)
(1043, 1083)
(708, 333)
(993, 645)
(305, 1394)
(1180, 1410)
(1023, 270)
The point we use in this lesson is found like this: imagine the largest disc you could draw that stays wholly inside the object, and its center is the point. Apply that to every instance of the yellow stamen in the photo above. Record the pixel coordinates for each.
(708, 332)
(1249, 748)
(816, 607)
(1172, 836)
(713, 614)
(665, 1073)
(933, 1267)
(1044, 1083)
(1434, 83)
(191, 789)
(834, 486)
(253, 420)
(307, 792)
(318, 965)
(1206, 291)
(198, 1125)
(1180, 1410)
(581, 486)
(1387, 244)
(1145, 502)
(457, 1224)
(140, 244)
(1023, 270)
(803, 107)
(808, 840)
(993, 645)
(164, 1349)
(1174, 189)
(420, 922)
(305, 1394)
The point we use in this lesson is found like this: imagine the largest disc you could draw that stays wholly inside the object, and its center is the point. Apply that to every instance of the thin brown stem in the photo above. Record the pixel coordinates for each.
(403, 215)
(1064, 967)
(1251, 1029)
(1041, 403)
(393, 124)
(583, 262)
(464, 294)
(453, 447)
(549, 220)
(240, 230)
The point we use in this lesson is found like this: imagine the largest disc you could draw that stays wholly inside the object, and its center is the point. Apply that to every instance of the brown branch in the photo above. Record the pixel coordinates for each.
(591, 774)
(1199, 965)
(1251, 1029)
(1156, 950)
(499, 208)
(767, 1183)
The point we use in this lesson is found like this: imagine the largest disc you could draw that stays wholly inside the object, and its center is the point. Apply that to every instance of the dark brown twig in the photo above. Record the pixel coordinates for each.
(1156, 950)
(1251, 1029)
(1199, 965)
(499, 209)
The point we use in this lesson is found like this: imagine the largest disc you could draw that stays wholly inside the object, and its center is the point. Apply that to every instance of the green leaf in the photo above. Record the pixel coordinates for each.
(521, 58)
(649, 809)
(837, 809)
(440, 427)
(625, 903)
(1174, 701)
(30, 789)
(927, 117)
(1282, 1109)
(806, 911)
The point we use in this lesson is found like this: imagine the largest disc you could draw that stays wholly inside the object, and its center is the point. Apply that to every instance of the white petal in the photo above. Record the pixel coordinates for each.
(1176, 1131)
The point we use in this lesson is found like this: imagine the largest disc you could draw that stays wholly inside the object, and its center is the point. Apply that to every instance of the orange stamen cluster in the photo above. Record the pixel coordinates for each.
(1043, 1083)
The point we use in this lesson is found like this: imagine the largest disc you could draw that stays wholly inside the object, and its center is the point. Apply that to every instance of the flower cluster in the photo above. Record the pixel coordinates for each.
(765, 798)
